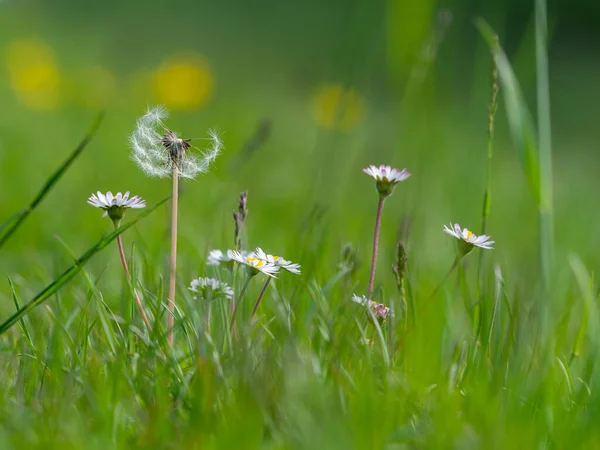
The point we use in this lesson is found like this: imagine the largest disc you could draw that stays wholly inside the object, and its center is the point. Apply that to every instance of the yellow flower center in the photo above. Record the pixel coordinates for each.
(255, 261)
(469, 234)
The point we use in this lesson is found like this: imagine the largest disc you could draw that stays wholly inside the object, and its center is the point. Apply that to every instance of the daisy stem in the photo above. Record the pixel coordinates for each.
(128, 275)
(173, 259)
(260, 296)
(239, 302)
(375, 244)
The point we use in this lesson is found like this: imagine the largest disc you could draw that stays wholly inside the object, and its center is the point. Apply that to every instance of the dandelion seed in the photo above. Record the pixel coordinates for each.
(278, 261)
(211, 288)
(386, 178)
(468, 240)
(114, 206)
(379, 309)
(252, 261)
(157, 150)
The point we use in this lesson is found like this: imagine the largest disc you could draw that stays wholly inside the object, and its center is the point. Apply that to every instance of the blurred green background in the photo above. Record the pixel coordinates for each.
(323, 88)
(306, 94)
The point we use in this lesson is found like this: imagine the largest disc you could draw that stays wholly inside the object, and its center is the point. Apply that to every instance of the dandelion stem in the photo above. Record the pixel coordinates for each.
(128, 275)
(239, 302)
(173, 260)
(260, 296)
(375, 244)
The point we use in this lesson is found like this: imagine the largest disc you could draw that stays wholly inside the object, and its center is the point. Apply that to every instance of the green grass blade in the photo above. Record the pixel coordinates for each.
(12, 218)
(22, 322)
(9, 227)
(519, 119)
(68, 274)
(545, 139)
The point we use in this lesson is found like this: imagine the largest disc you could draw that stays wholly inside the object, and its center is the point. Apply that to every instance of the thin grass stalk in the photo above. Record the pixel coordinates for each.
(173, 259)
(129, 279)
(487, 199)
(260, 297)
(545, 141)
(375, 243)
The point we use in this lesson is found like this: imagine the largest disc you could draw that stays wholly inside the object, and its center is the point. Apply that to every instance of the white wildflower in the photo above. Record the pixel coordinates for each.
(216, 257)
(467, 239)
(210, 288)
(278, 261)
(386, 178)
(114, 206)
(252, 261)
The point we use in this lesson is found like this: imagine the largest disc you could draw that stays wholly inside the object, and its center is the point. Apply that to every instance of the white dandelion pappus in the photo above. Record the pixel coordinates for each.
(115, 205)
(252, 261)
(468, 238)
(379, 309)
(278, 261)
(211, 288)
(156, 149)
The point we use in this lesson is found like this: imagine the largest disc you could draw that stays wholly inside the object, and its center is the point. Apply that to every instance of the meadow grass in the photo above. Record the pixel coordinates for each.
(494, 353)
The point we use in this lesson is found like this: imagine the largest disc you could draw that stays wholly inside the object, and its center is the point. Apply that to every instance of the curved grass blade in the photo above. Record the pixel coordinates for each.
(8, 228)
(536, 157)
(68, 274)
(521, 124)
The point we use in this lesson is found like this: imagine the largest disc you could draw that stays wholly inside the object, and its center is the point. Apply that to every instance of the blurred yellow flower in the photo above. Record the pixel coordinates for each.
(33, 73)
(336, 107)
(183, 82)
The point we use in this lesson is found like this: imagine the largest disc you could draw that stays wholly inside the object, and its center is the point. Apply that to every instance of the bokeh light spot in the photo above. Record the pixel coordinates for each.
(336, 107)
(183, 82)
(33, 73)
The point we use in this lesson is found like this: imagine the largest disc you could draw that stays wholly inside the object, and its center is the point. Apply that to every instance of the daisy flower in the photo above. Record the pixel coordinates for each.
(386, 178)
(157, 150)
(278, 261)
(253, 262)
(216, 257)
(210, 288)
(467, 239)
(379, 309)
(115, 206)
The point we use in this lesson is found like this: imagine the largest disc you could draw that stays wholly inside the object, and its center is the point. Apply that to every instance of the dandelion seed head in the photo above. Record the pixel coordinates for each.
(158, 150)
